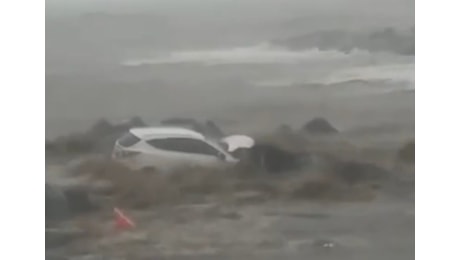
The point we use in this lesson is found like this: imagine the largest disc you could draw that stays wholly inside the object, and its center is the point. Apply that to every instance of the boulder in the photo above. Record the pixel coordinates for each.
(59, 237)
(101, 127)
(407, 153)
(290, 138)
(99, 138)
(273, 159)
(319, 125)
(78, 200)
(63, 203)
(56, 206)
(76, 144)
(212, 130)
(353, 172)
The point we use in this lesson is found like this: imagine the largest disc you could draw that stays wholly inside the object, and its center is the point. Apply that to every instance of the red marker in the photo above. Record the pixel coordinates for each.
(122, 222)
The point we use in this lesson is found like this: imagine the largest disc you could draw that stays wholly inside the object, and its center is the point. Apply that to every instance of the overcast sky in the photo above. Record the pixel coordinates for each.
(237, 6)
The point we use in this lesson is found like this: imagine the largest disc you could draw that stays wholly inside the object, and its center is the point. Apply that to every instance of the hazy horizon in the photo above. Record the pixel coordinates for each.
(119, 58)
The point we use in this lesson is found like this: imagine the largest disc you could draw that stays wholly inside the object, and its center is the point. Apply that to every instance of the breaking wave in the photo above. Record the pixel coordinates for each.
(258, 54)
(390, 40)
(375, 78)
(357, 69)
(393, 72)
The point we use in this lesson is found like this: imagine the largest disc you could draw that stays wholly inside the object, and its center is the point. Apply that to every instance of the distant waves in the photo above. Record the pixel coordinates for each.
(371, 79)
(311, 68)
(258, 54)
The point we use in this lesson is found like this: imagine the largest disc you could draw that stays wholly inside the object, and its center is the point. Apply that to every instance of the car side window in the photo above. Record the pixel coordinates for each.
(184, 145)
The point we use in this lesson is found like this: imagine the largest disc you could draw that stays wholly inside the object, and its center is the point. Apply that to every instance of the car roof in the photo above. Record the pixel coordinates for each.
(152, 132)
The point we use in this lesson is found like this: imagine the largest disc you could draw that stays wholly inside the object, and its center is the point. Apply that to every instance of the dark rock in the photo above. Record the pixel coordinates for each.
(275, 160)
(103, 141)
(56, 206)
(101, 127)
(72, 144)
(316, 189)
(319, 126)
(64, 203)
(379, 40)
(353, 172)
(136, 122)
(78, 201)
(105, 144)
(407, 153)
(290, 137)
(213, 130)
(78, 144)
(60, 237)
(99, 138)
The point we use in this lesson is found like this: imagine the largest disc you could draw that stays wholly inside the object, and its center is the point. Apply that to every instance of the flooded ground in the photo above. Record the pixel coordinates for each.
(254, 223)
(377, 230)
(157, 61)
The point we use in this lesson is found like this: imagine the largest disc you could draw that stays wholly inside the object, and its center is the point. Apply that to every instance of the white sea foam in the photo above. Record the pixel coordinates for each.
(257, 54)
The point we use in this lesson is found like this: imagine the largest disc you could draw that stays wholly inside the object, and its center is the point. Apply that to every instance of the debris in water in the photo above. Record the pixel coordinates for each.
(122, 222)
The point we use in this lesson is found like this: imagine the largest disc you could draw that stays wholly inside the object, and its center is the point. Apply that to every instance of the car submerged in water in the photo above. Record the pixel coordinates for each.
(168, 148)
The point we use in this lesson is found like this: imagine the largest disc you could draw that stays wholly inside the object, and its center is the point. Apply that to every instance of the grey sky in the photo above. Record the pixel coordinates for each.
(239, 6)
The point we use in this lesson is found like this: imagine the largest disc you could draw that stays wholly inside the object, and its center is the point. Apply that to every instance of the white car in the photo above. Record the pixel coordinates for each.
(166, 148)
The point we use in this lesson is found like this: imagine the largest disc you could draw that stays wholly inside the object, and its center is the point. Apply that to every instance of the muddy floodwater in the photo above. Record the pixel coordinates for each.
(373, 230)
(245, 225)
(251, 68)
